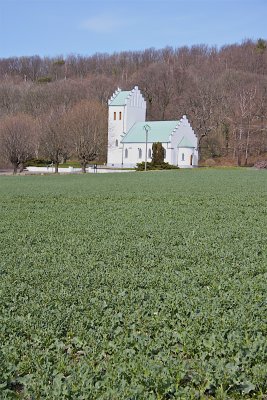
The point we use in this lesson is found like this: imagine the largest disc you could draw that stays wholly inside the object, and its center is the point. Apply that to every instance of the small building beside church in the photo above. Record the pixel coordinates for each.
(129, 134)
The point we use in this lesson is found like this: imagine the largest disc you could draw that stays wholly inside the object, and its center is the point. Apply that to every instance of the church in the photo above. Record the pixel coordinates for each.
(130, 136)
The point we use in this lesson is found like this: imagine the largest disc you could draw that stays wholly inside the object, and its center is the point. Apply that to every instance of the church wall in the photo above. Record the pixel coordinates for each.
(184, 157)
(183, 130)
(115, 131)
(129, 155)
(135, 110)
(134, 114)
(169, 153)
(134, 151)
(126, 116)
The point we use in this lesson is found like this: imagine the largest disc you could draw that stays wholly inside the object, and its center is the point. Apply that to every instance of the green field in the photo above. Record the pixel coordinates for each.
(134, 286)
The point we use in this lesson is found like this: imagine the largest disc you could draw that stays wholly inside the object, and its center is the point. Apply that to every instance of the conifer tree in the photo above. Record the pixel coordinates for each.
(157, 153)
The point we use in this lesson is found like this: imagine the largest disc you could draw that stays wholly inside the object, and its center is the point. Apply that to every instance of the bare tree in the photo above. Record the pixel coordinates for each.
(157, 83)
(242, 115)
(10, 96)
(17, 139)
(54, 142)
(86, 124)
(201, 104)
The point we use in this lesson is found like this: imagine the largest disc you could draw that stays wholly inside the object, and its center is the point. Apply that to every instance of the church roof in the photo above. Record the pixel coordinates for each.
(160, 131)
(120, 98)
(185, 143)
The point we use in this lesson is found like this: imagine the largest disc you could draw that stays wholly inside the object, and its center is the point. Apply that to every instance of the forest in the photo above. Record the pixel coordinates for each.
(56, 107)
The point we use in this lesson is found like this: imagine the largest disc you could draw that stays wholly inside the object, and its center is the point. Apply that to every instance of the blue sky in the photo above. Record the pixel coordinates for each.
(62, 27)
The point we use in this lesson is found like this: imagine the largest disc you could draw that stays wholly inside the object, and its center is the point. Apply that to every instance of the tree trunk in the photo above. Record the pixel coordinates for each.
(21, 167)
(247, 147)
(15, 169)
(83, 168)
(199, 148)
(239, 146)
(239, 158)
(56, 168)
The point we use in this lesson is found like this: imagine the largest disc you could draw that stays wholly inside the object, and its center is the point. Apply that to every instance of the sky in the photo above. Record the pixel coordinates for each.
(62, 27)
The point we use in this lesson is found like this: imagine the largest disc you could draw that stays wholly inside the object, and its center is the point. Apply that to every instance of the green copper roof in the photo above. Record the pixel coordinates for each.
(120, 99)
(160, 132)
(185, 143)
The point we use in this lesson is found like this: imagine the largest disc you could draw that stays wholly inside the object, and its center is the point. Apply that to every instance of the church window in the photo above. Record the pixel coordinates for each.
(182, 156)
(120, 114)
(149, 153)
(114, 115)
(117, 143)
(126, 153)
(140, 153)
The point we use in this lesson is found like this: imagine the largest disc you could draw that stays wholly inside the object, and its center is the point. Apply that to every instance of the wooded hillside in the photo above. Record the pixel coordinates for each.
(222, 91)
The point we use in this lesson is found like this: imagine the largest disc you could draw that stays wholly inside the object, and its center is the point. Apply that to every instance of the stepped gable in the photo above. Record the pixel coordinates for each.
(123, 97)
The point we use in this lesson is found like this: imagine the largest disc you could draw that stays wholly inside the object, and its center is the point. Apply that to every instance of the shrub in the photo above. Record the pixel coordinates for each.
(261, 164)
(37, 162)
(44, 79)
(210, 162)
(151, 166)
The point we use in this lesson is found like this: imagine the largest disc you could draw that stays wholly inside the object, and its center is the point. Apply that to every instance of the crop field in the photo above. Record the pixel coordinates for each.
(134, 286)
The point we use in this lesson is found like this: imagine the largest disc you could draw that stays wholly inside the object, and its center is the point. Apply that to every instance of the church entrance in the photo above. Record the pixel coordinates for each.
(191, 159)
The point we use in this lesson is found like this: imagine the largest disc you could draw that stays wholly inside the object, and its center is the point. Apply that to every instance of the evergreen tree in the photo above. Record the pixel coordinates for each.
(157, 153)
(261, 45)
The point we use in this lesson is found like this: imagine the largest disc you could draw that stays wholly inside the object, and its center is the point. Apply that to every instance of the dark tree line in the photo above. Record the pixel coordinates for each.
(222, 91)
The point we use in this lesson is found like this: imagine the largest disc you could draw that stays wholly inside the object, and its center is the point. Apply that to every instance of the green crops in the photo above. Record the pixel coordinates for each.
(134, 286)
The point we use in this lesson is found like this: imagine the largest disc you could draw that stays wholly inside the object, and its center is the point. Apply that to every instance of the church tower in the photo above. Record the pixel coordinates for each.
(125, 108)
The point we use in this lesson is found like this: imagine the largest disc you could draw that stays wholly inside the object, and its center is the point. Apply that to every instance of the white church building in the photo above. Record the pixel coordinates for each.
(129, 134)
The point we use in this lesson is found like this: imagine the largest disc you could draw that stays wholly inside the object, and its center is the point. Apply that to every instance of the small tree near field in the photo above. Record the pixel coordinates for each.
(17, 140)
(86, 124)
(54, 143)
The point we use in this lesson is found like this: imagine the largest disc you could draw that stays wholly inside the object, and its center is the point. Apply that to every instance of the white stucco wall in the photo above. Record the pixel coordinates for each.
(133, 111)
(169, 152)
(184, 157)
(133, 153)
(115, 132)
(184, 129)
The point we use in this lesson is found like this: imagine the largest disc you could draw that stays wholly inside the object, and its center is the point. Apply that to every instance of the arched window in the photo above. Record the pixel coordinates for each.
(120, 115)
(126, 153)
(114, 116)
(164, 153)
(117, 143)
(149, 153)
(182, 156)
(140, 153)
